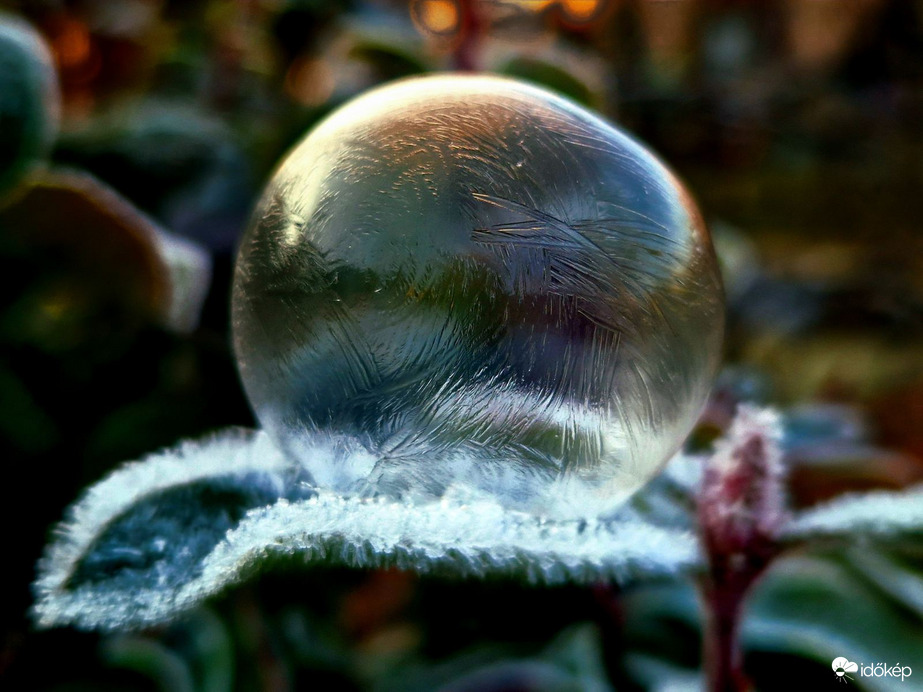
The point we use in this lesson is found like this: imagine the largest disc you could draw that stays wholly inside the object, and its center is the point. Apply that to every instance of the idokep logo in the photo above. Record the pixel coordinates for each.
(842, 666)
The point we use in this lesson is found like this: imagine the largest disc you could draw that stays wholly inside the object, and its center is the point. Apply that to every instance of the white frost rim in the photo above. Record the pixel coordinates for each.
(457, 535)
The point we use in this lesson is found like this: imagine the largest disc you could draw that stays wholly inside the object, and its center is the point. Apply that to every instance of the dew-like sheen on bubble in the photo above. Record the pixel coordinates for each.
(470, 285)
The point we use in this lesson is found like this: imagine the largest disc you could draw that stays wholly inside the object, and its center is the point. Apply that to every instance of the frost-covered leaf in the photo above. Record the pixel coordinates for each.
(160, 536)
(145, 529)
(878, 514)
(451, 537)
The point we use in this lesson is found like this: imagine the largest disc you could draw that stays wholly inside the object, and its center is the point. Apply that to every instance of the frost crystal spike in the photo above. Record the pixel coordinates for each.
(467, 282)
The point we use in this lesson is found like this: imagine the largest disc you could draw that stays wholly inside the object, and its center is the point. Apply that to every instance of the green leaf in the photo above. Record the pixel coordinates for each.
(572, 662)
(658, 675)
(816, 608)
(892, 574)
(551, 76)
(152, 659)
(29, 99)
(112, 250)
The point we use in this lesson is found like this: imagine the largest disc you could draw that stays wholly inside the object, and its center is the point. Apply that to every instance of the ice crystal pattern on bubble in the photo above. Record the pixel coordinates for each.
(469, 282)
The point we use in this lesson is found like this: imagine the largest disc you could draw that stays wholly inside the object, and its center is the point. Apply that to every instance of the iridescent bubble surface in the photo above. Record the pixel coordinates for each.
(467, 284)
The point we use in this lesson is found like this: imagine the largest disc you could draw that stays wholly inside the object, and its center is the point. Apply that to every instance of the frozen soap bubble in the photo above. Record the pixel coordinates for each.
(469, 285)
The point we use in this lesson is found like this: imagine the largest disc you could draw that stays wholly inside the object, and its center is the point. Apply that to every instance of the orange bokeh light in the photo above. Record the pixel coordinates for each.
(581, 10)
(71, 44)
(436, 16)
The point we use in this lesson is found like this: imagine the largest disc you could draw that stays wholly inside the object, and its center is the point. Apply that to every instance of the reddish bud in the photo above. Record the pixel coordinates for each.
(741, 502)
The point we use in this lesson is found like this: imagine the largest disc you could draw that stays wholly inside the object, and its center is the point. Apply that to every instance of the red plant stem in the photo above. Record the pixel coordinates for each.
(724, 599)
(469, 39)
(730, 579)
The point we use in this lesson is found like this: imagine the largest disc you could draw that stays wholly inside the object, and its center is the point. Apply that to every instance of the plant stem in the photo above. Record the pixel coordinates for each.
(740, 506)
(472, 28)
(724, 596)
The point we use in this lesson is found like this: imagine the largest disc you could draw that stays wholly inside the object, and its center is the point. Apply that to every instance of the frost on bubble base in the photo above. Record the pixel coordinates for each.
(161, 535)
(471, 280)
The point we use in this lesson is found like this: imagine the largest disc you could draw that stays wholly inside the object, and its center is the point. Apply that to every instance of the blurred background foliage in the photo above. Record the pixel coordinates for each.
(132, 149)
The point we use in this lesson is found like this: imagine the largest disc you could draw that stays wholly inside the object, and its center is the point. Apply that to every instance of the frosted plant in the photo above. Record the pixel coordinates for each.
(473, 321)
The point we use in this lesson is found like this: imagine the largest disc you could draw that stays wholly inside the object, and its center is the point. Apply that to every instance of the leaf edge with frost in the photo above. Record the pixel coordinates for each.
(879, 514)
(457, 535)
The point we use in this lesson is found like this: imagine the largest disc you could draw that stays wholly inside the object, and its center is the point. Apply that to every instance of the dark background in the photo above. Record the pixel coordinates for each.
(798, 125)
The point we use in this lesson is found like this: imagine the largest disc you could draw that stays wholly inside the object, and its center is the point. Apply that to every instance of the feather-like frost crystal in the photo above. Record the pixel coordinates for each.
(470, 282)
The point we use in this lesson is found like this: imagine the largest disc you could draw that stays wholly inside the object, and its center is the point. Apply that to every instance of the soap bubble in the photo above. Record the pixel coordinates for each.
(468, 285)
